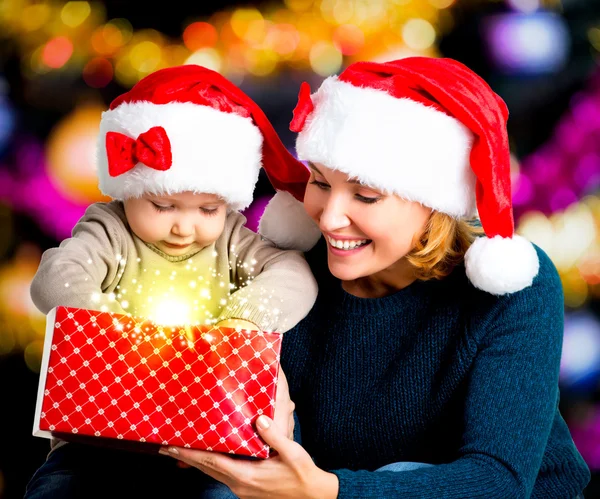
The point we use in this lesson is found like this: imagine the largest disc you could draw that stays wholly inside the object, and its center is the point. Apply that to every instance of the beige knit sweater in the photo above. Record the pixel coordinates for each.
(104, 266)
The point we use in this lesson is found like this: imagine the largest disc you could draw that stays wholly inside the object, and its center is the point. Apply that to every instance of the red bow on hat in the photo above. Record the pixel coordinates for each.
(304, 107)
(152, 148)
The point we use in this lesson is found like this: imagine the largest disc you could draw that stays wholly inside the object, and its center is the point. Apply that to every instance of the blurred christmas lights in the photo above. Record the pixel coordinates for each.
(527, 43)
(22, 326)
(580, 363)
(71, 154)
(586, 435)
(7, 119)
(317, 35)
(25, 187)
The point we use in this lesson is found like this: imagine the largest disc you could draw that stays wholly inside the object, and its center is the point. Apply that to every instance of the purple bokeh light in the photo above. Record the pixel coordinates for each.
(567, 166)
(586, 436)
(26, 187)
(528, 43)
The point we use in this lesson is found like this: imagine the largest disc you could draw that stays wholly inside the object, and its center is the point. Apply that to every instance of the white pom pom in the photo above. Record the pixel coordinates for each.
(501, 265)
(285, 222)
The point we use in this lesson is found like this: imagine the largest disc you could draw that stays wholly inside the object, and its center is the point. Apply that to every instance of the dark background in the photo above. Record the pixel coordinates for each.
(553, 95)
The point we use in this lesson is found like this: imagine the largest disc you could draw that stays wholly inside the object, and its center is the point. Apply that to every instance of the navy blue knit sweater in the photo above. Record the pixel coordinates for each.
(441, 373)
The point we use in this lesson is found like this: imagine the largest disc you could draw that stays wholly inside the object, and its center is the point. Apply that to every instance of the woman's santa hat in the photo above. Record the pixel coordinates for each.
(429, 130)
(188, 128)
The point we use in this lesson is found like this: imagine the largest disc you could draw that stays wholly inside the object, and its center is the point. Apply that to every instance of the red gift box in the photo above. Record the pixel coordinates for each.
(117, 377)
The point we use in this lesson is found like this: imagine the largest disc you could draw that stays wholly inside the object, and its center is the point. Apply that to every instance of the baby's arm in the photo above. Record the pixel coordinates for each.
(75, 273)
(276, 287)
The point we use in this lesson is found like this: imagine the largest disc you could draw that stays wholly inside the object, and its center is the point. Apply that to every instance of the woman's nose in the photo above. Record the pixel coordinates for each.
(334, 215)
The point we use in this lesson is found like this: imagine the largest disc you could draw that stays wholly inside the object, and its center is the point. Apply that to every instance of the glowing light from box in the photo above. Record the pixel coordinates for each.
(171, 313)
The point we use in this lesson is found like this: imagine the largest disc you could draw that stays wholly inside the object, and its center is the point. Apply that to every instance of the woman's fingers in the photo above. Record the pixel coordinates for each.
(284, 406)
(287, 449)
(199, 458)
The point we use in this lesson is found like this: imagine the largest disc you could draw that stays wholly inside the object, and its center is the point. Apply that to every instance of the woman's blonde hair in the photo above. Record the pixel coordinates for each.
(442, 245)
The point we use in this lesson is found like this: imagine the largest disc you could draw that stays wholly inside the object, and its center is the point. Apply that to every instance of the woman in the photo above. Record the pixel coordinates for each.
(430, 350)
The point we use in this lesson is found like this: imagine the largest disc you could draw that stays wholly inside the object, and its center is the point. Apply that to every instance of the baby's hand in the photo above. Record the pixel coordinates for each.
(238, 323)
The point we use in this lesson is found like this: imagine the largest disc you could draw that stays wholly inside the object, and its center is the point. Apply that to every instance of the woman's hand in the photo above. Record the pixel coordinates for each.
(289, 474)
(284, 407)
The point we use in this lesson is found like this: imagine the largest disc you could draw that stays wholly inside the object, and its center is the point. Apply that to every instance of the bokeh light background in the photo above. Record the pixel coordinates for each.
(61, 63)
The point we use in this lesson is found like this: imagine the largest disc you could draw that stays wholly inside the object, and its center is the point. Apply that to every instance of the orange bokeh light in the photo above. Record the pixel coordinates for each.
(349, 39)
(57, 52)
(200, 35)
(98, 72)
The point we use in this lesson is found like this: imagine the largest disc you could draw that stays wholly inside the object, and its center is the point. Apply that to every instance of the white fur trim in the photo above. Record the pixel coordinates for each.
(501, 265)
(394, 145)
(213, 152)
(286, 223)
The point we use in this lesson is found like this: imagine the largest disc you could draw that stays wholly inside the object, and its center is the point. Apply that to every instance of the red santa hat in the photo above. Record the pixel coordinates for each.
(188, 128)
(429, 130)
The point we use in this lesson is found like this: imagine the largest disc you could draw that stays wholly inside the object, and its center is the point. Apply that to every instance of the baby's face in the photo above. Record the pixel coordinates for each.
(177, 224)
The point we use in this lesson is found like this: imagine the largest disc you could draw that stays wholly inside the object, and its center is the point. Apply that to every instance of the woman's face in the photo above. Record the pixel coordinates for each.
(366, 231)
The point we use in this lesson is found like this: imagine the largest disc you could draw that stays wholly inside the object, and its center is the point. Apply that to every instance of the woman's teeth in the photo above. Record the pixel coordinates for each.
(347, 245)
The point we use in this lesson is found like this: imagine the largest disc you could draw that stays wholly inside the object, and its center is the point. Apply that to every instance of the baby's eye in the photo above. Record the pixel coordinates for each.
(161, 208)
(209, 211)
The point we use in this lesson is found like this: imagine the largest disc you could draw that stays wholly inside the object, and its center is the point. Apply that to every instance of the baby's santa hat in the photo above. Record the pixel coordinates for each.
(429, 130)
(188, 128)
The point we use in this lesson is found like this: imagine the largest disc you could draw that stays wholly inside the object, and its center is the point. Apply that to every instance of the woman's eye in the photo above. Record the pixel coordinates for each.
(320, 185)
(367, 199)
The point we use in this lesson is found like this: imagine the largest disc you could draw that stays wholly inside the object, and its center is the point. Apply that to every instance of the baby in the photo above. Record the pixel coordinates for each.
(180, 154)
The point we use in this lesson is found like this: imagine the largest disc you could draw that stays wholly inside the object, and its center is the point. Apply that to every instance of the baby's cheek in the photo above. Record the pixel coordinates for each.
(210, 231)
(150, 229)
